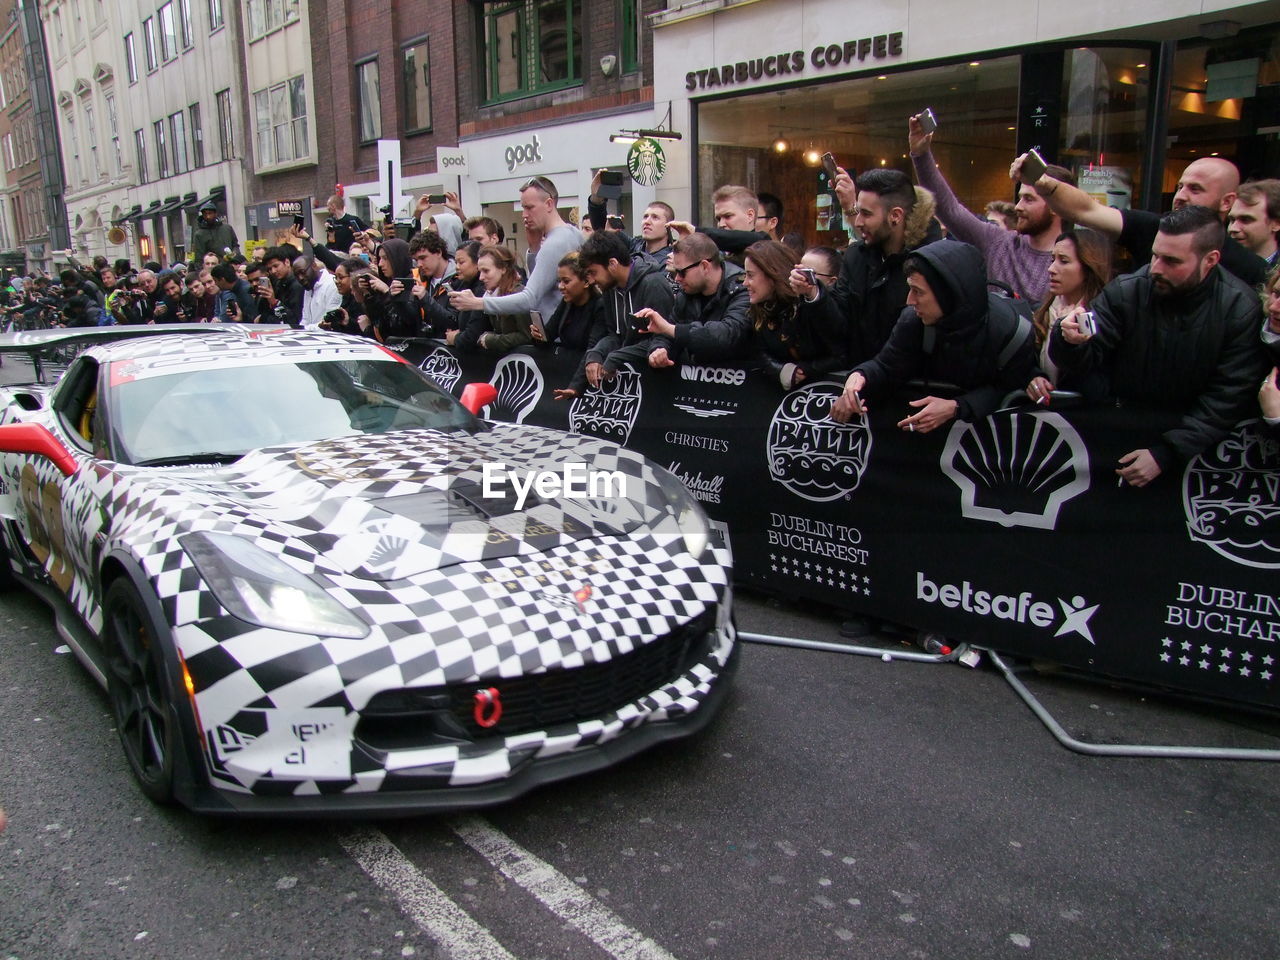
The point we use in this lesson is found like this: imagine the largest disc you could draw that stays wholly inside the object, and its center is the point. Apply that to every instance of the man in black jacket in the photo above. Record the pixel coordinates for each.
(279, 265)
(629, 285)
(710, 318)
(953, 331)
(1181, 333)
(894, 218)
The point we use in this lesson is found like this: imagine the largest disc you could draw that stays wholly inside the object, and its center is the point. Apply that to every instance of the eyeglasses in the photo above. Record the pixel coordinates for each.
(679, 272)
(543, 184)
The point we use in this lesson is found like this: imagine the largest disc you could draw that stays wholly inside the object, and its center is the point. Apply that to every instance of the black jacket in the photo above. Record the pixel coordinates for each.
(797, 336)
(1198, 354)
(577, 328)
(872, 289)
(438, 316)
(715, 328)
(646, 287)
(289, 294)
(966, 345)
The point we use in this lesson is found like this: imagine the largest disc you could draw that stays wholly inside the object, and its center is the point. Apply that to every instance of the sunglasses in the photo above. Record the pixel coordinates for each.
(541, 183)
(679, 272)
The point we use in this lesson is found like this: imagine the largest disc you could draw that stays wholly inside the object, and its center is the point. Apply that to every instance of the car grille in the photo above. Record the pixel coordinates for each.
(414, 717)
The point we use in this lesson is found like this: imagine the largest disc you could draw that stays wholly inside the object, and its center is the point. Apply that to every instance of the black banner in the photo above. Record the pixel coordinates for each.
(1010, 533)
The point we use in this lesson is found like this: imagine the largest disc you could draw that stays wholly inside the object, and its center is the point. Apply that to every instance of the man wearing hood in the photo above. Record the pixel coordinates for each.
(894, 219)
(952, 331)
(629, 286)
(1179, 334)
(710, 321)
(212, 234)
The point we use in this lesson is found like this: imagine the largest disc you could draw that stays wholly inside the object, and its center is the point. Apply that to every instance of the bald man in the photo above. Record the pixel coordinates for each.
(1208, 182)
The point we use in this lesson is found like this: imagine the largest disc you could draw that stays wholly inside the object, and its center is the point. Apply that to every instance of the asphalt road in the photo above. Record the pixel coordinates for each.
(840, 807)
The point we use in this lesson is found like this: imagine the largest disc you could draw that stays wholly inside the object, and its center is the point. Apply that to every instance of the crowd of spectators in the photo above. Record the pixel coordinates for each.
(1018, 297)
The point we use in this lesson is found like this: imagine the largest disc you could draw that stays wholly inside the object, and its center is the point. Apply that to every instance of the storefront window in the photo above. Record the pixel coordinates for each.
(1088, 114)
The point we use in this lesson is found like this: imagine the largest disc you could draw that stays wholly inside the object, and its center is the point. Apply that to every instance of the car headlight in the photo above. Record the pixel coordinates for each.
(262, 589)
(689, 517)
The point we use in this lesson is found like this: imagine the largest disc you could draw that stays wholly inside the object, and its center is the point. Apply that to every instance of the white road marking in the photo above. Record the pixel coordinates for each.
(460, 937)
(557, 892)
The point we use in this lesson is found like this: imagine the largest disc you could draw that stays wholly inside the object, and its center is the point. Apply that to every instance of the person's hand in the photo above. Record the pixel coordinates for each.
(537, 333)
(450, 336)
(564, 394)
(419, 290)
(1269, 395)
(659, 359)
(932, 412)
(846, 191)
(797, 378)
(465, 300)
(375, 283)
(681, 228)
(363, 322)
(918, 142)
(850, 402)
(396, 288)
(801, 287)
(452, 203)
(160, 310)
(594, 371)
(595, 186)
(1040, 390)
(1138, 468)
(421, 206)
(657, 322)
(233, 310)
(1015, 174)
(1071, 329)
(483, 342)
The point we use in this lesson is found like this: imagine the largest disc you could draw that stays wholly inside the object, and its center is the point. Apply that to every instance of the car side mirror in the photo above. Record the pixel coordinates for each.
(477, 396)
(35, 438)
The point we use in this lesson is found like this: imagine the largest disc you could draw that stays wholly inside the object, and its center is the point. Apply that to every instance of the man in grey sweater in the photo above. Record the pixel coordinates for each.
(1020, 258)
(538, 199)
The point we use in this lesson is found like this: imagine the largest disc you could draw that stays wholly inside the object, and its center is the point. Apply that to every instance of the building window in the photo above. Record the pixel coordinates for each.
(226, 132)
(280, 120)
(130, 58)
(178, 141)
(184, 10)
(74, 140)
(531, 46)
(417, 88)
(9, 159)
(149, 42)
(59, 41)
(630, 40)
(268, 15)
(197, 136)
(168, 35)
(162, 151)
(369, 96)
(215, 15)
(113, 128)
(91, 136)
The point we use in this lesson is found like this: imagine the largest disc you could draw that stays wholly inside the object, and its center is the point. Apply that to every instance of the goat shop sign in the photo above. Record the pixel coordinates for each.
(850, 53)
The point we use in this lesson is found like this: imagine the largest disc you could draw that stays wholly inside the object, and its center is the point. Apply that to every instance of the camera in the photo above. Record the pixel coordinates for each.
(639, 324)
(334, 318)
(331, 224)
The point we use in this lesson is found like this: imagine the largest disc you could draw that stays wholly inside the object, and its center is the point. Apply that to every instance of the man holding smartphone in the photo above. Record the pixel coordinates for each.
(1020, 259)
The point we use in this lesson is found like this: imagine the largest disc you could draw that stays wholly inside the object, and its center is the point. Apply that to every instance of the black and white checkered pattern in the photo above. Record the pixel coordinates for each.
(389, 525)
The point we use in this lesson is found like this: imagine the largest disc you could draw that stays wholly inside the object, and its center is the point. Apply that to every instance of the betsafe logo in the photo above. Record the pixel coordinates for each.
(1022, 608)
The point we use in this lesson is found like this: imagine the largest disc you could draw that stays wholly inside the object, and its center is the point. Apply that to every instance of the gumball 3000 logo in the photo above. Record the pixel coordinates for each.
(1231, 494)
(443, 367)
(809, 453)
(608, 411)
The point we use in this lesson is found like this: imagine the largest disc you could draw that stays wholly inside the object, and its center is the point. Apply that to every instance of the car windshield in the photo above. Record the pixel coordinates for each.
(218, 414)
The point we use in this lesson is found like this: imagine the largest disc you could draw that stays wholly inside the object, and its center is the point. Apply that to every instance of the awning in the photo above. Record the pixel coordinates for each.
(131, 216)
(190, 200)
(170, 204)
(217, 194)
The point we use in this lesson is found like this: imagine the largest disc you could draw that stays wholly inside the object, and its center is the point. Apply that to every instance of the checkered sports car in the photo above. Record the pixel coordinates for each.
(312, 582)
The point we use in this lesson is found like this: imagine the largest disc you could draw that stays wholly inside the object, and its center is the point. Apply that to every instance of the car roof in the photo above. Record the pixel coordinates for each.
(231, 345)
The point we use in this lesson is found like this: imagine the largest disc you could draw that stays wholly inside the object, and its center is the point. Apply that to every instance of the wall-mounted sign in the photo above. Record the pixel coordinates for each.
(451, 160)
(646, 162)
(288, 208)
(522, 153)
(850, 53)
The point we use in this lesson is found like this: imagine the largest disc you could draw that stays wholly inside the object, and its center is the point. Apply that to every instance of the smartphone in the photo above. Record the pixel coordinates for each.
(1088, 323)
(436, 198)
(1033, 167)
(535, 323)
(810, 277)
(928, 122)
(829, 166)
(299, 220)
(639, 324)
(611, 184)
(406, 282)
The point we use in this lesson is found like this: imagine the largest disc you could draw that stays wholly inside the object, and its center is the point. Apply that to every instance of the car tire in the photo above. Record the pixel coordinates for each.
(140, 690)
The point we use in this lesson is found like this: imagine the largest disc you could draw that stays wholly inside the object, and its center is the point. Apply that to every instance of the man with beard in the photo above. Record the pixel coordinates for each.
(894, 218)
(1210, 182)
(1181, 333)
(1020, 259)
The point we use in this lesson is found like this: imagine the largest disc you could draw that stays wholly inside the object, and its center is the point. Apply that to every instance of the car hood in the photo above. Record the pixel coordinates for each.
(393, 506)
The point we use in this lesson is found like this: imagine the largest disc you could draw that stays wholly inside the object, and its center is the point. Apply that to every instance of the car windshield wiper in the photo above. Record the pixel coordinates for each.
(213, 456)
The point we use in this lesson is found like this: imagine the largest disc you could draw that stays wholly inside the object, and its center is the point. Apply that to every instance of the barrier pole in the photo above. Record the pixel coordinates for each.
(1123, 749)
(880, 653)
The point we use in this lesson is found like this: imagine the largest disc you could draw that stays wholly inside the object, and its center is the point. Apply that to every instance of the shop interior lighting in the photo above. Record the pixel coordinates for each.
(781, 146)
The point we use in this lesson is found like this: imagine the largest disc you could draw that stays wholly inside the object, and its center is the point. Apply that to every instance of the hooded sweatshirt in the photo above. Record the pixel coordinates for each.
(646, 286)
(450, 229)
(967, 340)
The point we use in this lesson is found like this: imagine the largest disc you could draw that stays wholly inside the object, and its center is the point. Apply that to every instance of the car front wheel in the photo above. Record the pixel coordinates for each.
(139, 690)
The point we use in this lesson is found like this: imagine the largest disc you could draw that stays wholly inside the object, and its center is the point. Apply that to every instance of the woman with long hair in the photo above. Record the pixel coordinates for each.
(1080, 268)
(499, 332)
(793, 342)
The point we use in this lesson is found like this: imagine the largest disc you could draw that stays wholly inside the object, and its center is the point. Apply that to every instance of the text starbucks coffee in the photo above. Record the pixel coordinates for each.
(791, 62)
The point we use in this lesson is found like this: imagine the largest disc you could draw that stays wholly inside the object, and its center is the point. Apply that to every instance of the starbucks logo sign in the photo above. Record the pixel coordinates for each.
(646, 161)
